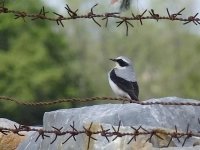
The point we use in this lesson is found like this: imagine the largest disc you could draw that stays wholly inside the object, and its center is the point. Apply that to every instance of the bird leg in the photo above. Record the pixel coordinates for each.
(123, 102)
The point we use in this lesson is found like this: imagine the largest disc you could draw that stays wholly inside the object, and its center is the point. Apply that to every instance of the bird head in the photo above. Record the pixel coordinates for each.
(122, 62)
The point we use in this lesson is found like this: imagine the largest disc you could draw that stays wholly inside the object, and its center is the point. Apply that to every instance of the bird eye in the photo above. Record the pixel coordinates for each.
(122, 63)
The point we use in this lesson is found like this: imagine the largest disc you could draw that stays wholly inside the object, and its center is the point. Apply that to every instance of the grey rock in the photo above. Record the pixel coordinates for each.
(10, 140)
(5, 123)
(149, 116)
(13, 139)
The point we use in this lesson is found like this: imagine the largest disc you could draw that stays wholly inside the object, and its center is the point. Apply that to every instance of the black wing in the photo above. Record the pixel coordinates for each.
(129, 87)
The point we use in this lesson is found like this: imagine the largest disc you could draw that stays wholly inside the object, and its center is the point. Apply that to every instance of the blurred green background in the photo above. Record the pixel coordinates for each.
(40, 60)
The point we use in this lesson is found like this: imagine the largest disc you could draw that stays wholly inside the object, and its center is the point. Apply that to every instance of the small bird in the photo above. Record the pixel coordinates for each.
(122, 79)
(124, 4)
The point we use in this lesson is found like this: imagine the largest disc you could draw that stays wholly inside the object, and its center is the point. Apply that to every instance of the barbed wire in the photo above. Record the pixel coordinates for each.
(91, 15)
(91, 99)
(108, 133)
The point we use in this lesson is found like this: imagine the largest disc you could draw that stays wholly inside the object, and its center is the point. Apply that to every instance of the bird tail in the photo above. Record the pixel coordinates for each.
(133, 97)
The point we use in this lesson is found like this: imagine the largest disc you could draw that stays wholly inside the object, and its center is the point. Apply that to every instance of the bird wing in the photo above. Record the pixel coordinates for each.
(131, 88)
(136, 88)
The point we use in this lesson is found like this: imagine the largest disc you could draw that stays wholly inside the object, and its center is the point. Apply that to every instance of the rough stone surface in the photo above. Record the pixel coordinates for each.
(9, 141)
(150, 116)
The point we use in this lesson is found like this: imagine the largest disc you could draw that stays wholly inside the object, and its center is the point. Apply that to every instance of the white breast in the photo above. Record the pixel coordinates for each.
(116, 89)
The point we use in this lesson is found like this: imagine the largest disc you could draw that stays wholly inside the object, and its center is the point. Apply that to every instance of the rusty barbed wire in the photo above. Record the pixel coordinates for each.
(126, 20)
(91, 99)
(107, 133)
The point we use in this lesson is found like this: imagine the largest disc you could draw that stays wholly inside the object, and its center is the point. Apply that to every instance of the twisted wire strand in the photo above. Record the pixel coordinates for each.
(69, 100)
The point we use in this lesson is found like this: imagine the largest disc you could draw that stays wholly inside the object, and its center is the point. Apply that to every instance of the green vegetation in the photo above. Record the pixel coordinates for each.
(40, 60)
(35, 64)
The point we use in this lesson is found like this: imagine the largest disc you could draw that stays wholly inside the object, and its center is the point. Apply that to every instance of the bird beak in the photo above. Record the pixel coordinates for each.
(112, 59)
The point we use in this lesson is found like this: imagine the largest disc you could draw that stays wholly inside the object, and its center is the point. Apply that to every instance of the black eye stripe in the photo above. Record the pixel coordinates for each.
(122, 63)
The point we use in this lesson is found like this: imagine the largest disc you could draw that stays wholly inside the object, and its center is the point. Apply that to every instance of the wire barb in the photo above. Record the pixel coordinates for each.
(127, 24)
(59, 19)
(21, 15)
(89, 133)
(4, 131)
(135, 133)
(2, 8)
(42, 134)
(17, 130)
(188, 134)
(155, 16)
(174, 16)
(104, 133)
(92, 15)
(72, 14)
(41, 14)
(193, 19)
(107, 15)
(57, 133)
(73, 133)
(116, 133)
